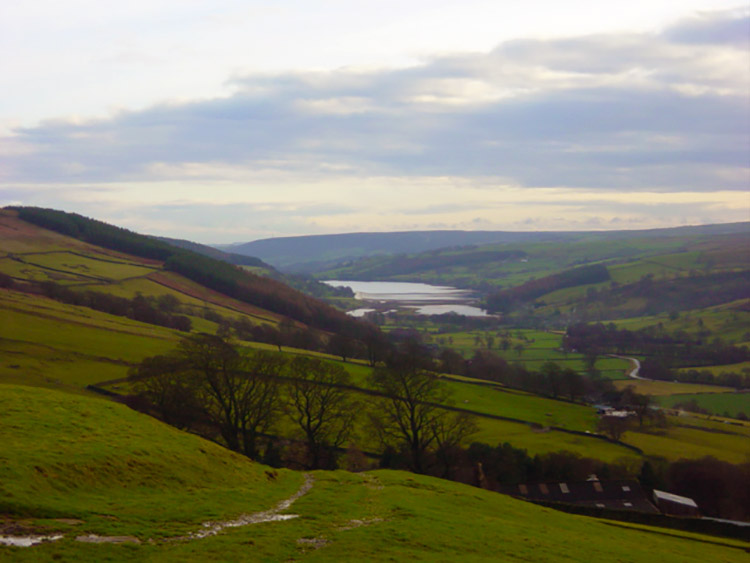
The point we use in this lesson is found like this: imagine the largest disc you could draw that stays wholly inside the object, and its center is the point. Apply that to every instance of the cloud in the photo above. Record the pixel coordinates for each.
(731, 27)
(627, 113)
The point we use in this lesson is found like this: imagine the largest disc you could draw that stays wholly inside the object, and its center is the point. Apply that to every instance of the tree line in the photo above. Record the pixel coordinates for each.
(507, 299)
(210, 386)
(152, 310)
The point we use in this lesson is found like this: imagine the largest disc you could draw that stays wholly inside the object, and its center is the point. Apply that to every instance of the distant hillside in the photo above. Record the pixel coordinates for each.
(319, 252)
(237, 259)
(485, 267)
(502, 300)
(322, 252)
(301, 282)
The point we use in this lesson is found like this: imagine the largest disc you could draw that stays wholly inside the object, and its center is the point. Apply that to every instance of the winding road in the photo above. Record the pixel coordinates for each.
(634, 372)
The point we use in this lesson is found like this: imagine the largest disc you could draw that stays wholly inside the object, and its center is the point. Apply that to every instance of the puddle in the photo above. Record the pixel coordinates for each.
(27, 541)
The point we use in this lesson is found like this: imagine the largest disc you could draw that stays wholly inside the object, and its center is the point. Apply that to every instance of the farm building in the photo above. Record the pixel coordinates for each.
(675, 505)
(614, 495)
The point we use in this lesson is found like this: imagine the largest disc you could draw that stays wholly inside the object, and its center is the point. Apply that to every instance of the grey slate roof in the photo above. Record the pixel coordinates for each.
(617, 495)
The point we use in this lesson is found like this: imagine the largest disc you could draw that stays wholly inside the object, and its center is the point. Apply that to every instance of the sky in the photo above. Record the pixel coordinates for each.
(230, 121)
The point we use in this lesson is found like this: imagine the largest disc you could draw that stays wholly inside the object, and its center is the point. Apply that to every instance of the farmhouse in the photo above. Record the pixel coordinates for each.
(614, 495)
(606, 410)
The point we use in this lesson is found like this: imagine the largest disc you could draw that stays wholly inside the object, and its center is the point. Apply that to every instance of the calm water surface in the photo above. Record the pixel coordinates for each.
(417, 295)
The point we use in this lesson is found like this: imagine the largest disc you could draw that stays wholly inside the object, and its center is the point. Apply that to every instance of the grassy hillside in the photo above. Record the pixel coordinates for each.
(323, 252)
(49, 344)
(632, 253)
(318, 252)
(218, 275)
(79, 457)
(123, 474)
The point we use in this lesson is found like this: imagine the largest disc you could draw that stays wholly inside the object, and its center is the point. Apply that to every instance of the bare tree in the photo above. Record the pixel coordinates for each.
(341, 345)
(375, 343)
(450, 431)
(161, 381)
(214, 366)
(641, 404)
(258, 398)
(319, 405)
(239, 395)
(410, 411)
(613, 426)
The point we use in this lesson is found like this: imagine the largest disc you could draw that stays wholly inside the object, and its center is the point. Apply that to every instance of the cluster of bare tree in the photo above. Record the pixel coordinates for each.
(410, 415)
(209, 386)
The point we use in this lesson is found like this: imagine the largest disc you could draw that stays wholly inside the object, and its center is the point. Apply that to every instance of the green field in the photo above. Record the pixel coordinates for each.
(658, 388)
(80, 330)
(730, 322)
(538, 347)
(678, 442)
(725, 403)
(106, 268)
(125, 474)
(542, 441)
(30, 272)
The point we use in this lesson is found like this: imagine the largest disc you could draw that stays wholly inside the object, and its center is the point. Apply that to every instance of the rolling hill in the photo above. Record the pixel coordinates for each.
(212, 273)
(78, 464)
(317, 253)
(633, 253)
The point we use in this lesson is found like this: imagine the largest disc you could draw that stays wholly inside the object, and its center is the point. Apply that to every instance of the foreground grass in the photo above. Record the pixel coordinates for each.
(120, 472)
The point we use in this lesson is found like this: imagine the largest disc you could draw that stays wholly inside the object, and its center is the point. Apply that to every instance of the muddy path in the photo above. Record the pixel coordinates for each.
(273, 515)
(208, 528)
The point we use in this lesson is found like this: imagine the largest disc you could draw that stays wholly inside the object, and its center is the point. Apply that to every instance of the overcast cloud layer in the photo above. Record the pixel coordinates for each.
(615, 130)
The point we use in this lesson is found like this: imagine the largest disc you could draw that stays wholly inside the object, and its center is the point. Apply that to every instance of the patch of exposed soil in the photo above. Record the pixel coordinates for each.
(69, 521)
(310, 544)
(356, 523)
(93, 538)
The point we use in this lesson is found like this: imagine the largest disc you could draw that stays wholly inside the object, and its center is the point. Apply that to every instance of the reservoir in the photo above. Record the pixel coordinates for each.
(424, 298)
